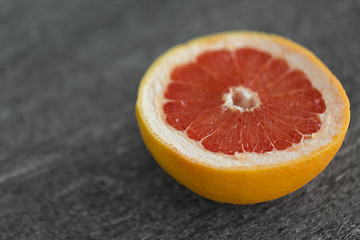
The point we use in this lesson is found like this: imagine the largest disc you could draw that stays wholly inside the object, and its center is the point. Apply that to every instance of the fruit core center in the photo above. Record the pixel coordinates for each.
(242, 99)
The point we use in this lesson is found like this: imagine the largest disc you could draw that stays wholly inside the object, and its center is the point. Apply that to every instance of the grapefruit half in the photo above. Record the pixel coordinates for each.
(242, 117)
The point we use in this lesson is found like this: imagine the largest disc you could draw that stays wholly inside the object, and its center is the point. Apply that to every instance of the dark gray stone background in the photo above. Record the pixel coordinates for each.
(72, 162)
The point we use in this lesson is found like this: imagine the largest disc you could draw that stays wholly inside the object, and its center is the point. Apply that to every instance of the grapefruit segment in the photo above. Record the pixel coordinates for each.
(192, 74)
(242, 117)
(182, 112)
(304, 122)
(190, 91)
(281, 133)
(226, 137)
(206, 123)
(309, 100)
(293, 81)
(249, 63)
(264, 143)
(270, 75)
(221, 64)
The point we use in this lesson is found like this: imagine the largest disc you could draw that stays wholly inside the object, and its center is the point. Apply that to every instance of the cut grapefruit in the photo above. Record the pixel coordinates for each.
(242, 117)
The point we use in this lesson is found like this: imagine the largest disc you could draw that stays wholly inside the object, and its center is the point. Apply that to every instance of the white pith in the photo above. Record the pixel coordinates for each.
(247, 95)
(152, 100)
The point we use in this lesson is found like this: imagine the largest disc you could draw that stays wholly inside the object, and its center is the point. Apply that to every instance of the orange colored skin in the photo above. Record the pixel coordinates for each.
(244, 185)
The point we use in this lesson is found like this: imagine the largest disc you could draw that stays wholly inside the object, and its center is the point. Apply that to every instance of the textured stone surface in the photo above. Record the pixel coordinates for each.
(72, 162)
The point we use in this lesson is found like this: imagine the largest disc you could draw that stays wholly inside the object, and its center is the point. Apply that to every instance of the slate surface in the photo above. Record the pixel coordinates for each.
(72, 162)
